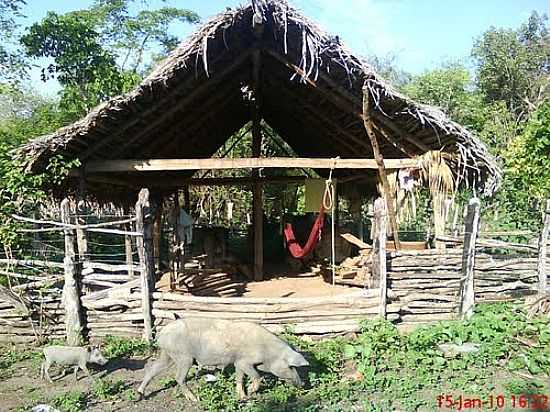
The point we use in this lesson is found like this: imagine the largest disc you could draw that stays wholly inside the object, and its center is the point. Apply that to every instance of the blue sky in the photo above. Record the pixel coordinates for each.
(420, 33)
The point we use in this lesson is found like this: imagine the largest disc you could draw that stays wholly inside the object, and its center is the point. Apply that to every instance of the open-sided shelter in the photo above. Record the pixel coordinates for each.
(264, 61)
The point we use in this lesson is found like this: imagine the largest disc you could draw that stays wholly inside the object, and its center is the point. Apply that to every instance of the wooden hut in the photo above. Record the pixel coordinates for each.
(264, 62)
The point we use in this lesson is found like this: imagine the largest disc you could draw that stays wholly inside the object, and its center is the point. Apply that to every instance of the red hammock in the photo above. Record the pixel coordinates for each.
(295, 249)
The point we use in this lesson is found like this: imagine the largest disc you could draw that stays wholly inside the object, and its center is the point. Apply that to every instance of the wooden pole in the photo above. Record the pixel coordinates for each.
(379, 257)
(367, 121)
(81, 211)
(144, 224)
(471, 227)
(176, 243)
(128, 245)
(157, 233)
(257, 188)
(542, 267)
(71, 295)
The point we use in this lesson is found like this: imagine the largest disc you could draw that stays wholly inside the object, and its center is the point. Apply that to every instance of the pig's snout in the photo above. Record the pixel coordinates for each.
(299, 383)
(295, 378)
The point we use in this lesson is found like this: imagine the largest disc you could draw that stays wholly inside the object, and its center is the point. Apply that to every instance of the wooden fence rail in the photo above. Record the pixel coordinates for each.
(120, 298)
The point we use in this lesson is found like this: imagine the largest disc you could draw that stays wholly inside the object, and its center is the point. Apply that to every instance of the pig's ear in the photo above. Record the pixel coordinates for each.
(297, 360)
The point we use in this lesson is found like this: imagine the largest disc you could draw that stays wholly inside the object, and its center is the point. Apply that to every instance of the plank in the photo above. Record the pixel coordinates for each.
(151, 165)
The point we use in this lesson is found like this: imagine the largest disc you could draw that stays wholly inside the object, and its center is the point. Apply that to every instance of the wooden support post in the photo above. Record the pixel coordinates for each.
(355, 209)
(128, 244)
(388, 195)
(144, 225)
(128, 250)
(471, 227)
(81, 211)
(157, 233)
(379, 249)
(542, 267)
(71, 295)
(176, 242)
(257, 188)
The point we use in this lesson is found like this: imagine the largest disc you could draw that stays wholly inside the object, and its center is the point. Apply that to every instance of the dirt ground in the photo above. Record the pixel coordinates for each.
(307, 284)
(21, 388)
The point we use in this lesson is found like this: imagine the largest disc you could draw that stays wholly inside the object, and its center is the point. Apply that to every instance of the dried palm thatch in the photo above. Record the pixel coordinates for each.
(311, 86)
(435, 171)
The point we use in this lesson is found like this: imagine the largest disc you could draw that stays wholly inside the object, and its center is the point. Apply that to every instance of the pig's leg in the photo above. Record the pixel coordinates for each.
(239, 376)
(85, 369)
(75, 371)
(155, 368)
(245, 368)
(47, 365)
(183, 366)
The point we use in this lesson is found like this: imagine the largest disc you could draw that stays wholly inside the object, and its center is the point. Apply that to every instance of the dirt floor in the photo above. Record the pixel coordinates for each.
(309, 284)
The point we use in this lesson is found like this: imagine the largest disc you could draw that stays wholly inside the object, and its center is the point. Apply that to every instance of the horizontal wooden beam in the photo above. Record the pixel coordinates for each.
(157, 165)
(180, 181)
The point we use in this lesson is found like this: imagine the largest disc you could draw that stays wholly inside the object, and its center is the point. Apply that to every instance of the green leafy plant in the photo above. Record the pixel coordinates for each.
(107, 389)
(74, 401)
(120, 347)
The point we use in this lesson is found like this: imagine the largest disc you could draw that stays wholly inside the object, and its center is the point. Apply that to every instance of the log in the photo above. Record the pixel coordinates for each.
(115, 290)
(145, 247)
(471, 228)
(379, 258)
(111, 268)
(31, 263)
(261, 308)
(108, 277)
(381, 166)
(92, 282)
(490, 243)
(71, 294)
(106, 303)
(350, 298)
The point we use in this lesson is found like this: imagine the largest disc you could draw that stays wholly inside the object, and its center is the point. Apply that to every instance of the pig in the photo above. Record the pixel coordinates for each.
(71, 356)
(218, 343)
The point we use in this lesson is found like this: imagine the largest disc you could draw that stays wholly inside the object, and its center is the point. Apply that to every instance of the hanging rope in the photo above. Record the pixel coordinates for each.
(315, 234)
(328, 203)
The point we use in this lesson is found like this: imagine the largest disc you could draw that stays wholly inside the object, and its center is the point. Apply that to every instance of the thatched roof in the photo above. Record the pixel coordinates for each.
(311, 92)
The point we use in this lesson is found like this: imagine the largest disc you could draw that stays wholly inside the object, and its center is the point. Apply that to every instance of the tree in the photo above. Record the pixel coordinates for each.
(99, 52)
(12, 64)
(528, 157)
(387, 67)
(513, 65)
